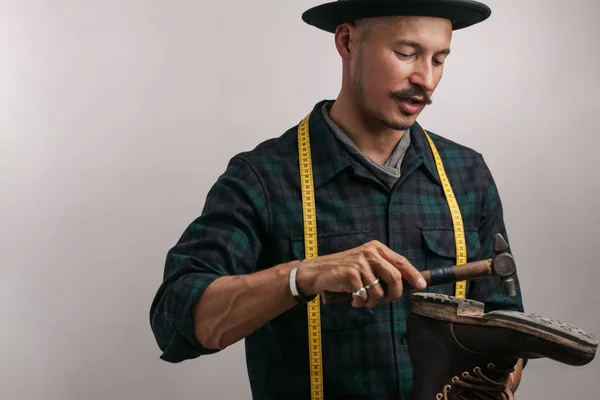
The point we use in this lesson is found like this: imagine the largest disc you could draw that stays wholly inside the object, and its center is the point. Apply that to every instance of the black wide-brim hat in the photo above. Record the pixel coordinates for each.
(462, 13)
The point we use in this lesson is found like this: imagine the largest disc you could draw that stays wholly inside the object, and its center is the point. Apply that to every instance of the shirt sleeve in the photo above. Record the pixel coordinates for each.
(487, 290)
(226, 239)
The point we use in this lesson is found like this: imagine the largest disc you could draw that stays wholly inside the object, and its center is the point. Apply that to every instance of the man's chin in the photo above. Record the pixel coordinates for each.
(400, 124)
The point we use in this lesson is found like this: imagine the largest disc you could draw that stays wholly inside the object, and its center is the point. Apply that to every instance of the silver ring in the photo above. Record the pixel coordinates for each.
(371, 285)
(362, 292)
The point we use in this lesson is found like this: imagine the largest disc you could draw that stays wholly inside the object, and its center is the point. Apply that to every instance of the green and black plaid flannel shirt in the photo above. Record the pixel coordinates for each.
(252, 220)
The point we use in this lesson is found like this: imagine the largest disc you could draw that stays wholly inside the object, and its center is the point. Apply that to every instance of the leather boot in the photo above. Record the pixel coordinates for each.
(460, 352)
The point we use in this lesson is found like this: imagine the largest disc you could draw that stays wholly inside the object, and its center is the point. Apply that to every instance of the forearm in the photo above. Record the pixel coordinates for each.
(233, 307)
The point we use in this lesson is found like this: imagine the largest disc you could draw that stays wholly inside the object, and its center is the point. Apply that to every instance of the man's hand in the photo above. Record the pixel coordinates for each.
(351, 270)
(514, 379)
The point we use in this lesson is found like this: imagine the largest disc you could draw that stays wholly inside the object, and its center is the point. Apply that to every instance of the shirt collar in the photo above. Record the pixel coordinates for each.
(420, 148)
(329, 158)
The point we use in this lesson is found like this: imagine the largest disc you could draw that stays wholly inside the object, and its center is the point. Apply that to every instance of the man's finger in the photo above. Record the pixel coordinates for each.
(359, 293)
(408, 271)
(390, 278)
(371, 283)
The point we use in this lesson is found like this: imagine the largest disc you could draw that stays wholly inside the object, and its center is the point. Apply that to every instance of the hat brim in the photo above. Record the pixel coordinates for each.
(462, 13)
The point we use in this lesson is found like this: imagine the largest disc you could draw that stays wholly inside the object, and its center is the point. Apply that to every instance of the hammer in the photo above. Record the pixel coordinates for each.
(501, 265)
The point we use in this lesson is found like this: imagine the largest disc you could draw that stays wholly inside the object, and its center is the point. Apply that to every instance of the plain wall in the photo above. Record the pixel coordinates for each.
(118, 116)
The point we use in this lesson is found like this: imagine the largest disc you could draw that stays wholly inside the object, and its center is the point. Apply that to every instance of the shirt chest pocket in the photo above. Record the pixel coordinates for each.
(440, 251)
(341, 315)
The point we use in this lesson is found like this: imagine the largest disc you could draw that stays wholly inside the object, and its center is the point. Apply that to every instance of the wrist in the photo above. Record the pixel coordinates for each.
(304, 280)
(300, 283)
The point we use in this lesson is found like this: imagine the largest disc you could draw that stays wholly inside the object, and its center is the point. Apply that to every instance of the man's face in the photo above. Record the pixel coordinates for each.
(397, 67)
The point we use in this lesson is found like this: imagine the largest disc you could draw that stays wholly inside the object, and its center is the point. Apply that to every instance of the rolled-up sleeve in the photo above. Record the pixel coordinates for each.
(226, 239)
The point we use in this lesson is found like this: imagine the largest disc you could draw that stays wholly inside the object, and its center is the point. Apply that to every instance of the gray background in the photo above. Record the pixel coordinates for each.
(117, 116)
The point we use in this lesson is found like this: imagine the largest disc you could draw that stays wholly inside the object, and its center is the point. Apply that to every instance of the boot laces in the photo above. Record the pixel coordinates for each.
(479, 385)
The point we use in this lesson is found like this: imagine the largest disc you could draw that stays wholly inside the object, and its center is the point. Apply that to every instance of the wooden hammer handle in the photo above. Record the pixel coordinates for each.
(438, 276)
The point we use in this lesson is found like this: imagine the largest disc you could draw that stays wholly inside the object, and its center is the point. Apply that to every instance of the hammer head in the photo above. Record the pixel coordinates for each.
(503, 265)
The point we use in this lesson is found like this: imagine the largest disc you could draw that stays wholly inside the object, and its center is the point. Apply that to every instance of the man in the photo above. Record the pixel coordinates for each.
(382, 216)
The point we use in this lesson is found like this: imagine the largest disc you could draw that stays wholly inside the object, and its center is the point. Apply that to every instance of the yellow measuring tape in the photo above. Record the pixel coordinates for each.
(459, 230)
(311, 246)
(311, 251)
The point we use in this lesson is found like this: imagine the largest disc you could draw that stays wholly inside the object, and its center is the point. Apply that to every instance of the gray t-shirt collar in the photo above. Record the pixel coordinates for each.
(390, 172)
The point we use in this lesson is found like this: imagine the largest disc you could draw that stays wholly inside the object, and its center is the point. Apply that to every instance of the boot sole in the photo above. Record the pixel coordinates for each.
(466, 311)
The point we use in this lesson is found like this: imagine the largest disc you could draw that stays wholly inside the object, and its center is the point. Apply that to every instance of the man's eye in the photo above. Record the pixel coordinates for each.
(402, 55)
(437, 62)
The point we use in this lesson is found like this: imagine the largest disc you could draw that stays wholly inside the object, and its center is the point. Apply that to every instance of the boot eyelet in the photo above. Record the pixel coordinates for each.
(439, 396)
(447, 388)
(491, 366)
(465, 374)
(477, 370)
(455, 379)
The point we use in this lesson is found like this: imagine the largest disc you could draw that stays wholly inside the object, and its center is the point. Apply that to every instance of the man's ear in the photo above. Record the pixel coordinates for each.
(345, 37)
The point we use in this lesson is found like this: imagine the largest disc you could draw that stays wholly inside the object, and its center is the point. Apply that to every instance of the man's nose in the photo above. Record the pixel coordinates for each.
(423, 75)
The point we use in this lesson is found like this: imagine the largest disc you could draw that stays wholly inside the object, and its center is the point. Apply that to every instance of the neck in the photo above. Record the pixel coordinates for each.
(372, 137)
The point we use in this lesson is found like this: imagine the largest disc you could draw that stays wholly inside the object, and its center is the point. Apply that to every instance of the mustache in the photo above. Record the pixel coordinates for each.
(414, 91)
